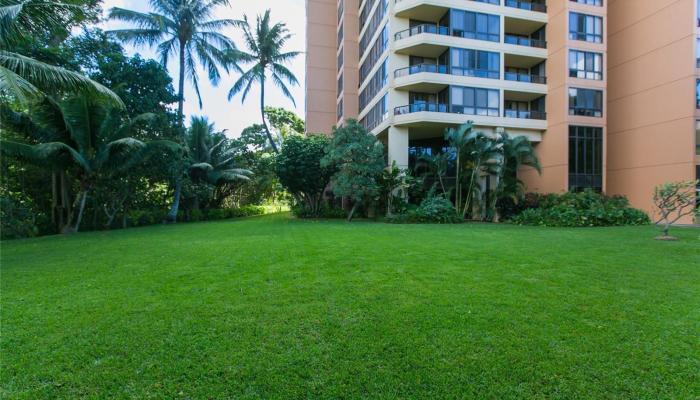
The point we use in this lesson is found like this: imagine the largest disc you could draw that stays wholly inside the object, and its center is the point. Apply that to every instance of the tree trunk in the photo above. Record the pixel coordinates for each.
(262, 113)
(172, 215)
(352, 211)
(79, 218)
(54, 198)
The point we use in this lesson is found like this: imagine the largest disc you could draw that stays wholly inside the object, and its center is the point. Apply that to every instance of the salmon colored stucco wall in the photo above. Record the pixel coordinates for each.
(651, 96)
(321, 50)
(553, 151)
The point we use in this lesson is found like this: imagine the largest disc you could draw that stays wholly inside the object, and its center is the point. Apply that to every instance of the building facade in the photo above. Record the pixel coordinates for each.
(597, 85)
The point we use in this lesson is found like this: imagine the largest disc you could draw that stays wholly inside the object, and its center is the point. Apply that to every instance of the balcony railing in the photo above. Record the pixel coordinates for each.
(419, 68)
(523, 41)
(517, 77)
(526, 5)
(423, 28)
(444, 69)
(539, 115)
(421, 107)
(585, 112)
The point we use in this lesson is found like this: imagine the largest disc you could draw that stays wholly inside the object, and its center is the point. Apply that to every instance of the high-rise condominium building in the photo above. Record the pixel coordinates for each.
(608, 90)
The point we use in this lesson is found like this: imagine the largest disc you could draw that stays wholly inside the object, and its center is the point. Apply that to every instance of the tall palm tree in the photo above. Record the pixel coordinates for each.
(266, 52)
(24, 78)
(185, 28)
(82, 133)
(458, 139)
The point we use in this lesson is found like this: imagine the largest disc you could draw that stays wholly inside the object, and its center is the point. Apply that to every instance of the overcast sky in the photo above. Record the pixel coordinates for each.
(233, 115)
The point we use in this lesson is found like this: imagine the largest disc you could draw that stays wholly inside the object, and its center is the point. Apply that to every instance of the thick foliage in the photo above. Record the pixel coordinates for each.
(300, 172)
(583, 209)
(359, 158)
(325, 211)
(19, 218)
(432, 210)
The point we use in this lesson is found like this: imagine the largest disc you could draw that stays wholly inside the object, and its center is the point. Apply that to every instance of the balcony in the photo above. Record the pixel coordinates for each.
(538, 115)
(421, 107)
(435, 29)
(527, 78)
(526, 5)
(447, 70)
(420, 68)
(525, 41)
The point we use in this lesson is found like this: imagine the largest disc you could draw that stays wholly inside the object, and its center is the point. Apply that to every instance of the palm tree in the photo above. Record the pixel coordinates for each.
(83, 133)
(265, 50)
(24, 78)
(212, 160)
(482, 152)
(458, 138)
(185, 28)
(517, 152)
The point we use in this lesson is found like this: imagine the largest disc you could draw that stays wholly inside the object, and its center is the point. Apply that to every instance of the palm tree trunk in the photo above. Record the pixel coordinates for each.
(352, 211)
(181, 87)
(262, 113)
(172, 214)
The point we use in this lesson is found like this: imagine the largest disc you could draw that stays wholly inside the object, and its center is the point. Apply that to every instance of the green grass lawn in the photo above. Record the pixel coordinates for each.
(273, 308)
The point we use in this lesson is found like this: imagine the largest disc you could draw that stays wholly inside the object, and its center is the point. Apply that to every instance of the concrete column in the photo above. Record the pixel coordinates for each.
(398, 146)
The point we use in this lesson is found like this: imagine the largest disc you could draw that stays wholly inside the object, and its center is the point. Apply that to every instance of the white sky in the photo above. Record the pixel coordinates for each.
(233, 115)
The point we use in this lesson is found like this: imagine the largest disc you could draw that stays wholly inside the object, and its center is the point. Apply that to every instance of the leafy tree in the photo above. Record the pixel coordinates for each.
(266, 52)
(300, 171)
(458, 138)
(359, 158)
(674, 201)
(85, 134)
(482, 153)
(24, 78)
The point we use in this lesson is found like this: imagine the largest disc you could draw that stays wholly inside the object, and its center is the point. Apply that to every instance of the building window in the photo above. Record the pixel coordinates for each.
(374, 24)
(477, 63)
(340, 84)
(340, 59)
(472, 25)
(584, 27)
(598, 3)
(585, 158)
(585, 65)
(341, 6)
(375, 53)
(697, 138)
(364, 14)
(340, 35)
(697, 53)
(473, 101)
(377, 114)
(375, 85)
(697, 94)
(586, 102)
(339, 110)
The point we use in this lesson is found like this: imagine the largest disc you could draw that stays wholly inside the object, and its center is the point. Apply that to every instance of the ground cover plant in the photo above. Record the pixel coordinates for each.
(276, 307)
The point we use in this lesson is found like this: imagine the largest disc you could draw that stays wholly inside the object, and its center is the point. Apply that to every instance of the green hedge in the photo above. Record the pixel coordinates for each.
(433, 210)
(325, 212)
(583, 209)
(152, 217)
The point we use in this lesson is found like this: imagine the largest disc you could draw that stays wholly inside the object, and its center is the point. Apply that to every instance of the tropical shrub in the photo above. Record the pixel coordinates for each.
(674, 201)
(359, 158)
(325, 211)
(300, 171)
(19, 217)
(583, 209)
(245, 211)
(433, 210)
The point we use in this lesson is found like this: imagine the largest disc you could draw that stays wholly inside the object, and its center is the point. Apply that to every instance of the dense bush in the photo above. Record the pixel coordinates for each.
(325, 211)
(18, 216)
(583, 209)
(432, 210)
(245, 211)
